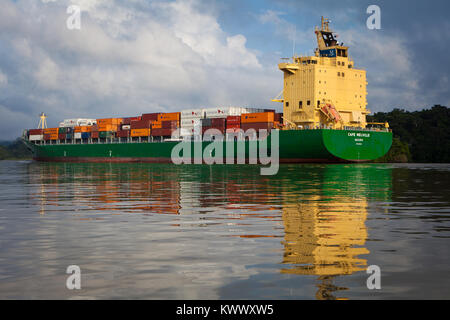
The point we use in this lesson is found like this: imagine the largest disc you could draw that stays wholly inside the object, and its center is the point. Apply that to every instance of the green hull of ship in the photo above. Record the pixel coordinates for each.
(319, 145)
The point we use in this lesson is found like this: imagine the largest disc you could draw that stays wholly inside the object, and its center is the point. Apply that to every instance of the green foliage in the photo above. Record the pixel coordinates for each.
(425, 132)
(14, 150)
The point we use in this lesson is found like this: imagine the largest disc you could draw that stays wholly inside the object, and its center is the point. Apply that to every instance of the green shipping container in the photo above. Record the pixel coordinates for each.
(62, 130)
(105, 134)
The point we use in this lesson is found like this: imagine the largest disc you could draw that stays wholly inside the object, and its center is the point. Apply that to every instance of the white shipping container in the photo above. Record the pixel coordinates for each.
(77, 135)
(191, 113)
(36, 137)
(190, 122)
(77, 122)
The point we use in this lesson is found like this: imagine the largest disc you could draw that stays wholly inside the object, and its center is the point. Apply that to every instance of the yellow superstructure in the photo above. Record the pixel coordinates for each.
(324, 90)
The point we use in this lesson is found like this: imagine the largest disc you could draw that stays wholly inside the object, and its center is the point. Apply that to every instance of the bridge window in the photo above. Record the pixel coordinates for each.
(308, 102)
(287, 104)
(300, 104)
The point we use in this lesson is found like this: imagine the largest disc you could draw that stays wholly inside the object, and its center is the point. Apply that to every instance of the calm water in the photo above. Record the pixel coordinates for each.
(224, 232)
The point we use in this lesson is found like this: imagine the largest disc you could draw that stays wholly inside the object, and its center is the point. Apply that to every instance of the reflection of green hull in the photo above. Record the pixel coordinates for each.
(321, 145)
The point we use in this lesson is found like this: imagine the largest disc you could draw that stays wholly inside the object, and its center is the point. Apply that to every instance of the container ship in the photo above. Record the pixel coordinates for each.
(323, 120)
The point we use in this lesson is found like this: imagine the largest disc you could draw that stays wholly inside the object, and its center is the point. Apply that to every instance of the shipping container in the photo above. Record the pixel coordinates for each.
(105, 134)
(233, 126)
(156, 125)
(233, 120)
(140, 132)
(46, 136)
(77, 135)
(161, 132)
(35, 132)
(69, 135)
(278, 117)
(109, 121)
(36, 137)
(170, 124)
(192, 114)
(95, 134)
(123, 133)
(142, 124)
(127, 121)
(257, 117)
(107, 127)
(77, 122)
(150, 116)
(173, 116)
(85, 135)
(51, 131)
(61, 136)
(126, 127)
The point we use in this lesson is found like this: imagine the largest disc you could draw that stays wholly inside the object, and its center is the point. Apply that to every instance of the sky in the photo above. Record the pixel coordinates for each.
(140, 56)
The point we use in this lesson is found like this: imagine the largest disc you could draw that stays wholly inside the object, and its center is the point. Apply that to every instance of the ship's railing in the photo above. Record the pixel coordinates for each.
(161, 139)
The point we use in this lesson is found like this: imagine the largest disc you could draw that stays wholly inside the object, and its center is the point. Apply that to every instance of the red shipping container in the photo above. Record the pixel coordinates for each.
(149, 116)
(218, 122)
(33, 132)
(123, 133)
(94, 134)
(129, 119)
(169, 124)
(233, 126)
(233, 120)
(142, 124)
(222, 129)
(62, 136)
(47, 136)
(257, 126)
(278, 117)
(161, 132)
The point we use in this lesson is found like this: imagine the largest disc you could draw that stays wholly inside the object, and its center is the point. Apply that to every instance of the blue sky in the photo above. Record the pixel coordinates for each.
(137, 56)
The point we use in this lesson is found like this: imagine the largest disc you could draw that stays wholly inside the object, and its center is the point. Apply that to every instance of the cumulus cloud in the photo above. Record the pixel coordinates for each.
(127, 58)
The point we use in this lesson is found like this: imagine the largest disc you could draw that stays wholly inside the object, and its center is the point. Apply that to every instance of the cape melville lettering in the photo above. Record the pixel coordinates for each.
(193, 310)
(359, 134)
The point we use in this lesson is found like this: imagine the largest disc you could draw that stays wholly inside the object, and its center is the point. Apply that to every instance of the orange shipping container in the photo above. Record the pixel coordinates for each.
(107, 127)
(140, 132)
(109, 121)
(156, 125)
(174, 116)
(82, 129)
(51, 131)
(257, 117)
(54, 136)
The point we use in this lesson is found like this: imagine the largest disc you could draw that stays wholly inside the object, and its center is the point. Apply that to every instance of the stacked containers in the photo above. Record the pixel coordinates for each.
(233, 124)
(214, 123)
(140, 128)
(94, 132)
(257, 121)
(51, 134)
(191, 122)
(36, 134)
(107, 127)
(167, 122)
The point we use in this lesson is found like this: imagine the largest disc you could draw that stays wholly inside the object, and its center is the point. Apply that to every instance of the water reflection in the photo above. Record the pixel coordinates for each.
(317, 214)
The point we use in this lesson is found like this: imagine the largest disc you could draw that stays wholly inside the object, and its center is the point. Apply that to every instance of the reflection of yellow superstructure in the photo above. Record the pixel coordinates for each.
(324, 90)
(325, 239)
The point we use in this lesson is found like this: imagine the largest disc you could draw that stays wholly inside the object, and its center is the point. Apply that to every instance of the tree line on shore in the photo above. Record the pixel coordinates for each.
(418, 136)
